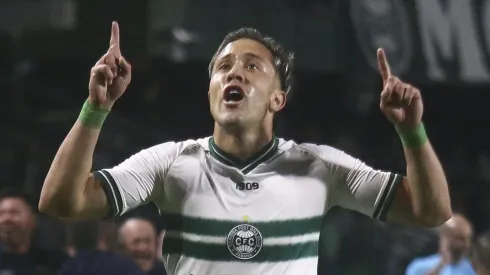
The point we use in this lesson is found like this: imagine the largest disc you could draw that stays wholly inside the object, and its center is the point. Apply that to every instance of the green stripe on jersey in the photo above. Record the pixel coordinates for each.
(220, 252)
(215, 227)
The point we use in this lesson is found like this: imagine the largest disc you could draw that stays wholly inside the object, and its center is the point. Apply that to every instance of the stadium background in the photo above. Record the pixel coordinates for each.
(48, 46)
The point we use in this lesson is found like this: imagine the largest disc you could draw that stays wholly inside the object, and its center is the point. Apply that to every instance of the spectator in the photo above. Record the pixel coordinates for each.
(91, 248)
(454, 243)
(480, 254)
(138, 239)
(18, 255)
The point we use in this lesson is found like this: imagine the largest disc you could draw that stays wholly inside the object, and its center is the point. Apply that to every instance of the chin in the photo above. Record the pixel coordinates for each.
(230, 120)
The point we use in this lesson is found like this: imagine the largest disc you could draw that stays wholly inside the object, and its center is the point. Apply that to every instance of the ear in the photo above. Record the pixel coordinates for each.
(277, 101)
(209, 95)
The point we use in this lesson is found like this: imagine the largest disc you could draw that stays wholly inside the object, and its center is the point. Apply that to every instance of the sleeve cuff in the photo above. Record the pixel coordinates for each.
(387, 197)
(111, 191)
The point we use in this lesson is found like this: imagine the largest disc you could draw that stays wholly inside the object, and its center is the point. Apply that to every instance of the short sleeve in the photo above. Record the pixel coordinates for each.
(138, 179)
(356, 186)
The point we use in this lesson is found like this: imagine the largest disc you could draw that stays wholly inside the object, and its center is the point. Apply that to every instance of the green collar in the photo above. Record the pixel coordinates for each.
(249, 164)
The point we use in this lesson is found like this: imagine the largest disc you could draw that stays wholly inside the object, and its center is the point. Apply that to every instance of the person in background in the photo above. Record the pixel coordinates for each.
(18, 255)
(480, 254)
(138, 239)
(454, 244)
(93, 254)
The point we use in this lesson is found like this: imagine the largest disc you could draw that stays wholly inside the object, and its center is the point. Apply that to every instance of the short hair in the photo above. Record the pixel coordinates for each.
(120, 238)
(12, 193)
(282, 60)
(481, 249)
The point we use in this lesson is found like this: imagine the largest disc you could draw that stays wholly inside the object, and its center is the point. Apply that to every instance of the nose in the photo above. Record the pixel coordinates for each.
(235, 74)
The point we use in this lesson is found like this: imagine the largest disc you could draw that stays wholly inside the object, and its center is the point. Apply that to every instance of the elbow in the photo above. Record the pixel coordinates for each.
(46, 202)
(52, 205)
(435, 221)
(43, 206)
(56, 210)
(443, 217)
(435, 217)
(439, 213)
(53, 208)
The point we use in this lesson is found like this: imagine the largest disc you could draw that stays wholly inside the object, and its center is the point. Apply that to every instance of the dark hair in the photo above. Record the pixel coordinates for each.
(10, 193)
(481, 249)
(282, 60)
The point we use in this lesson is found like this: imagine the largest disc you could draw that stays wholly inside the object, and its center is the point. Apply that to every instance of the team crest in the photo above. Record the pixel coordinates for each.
(244, 241)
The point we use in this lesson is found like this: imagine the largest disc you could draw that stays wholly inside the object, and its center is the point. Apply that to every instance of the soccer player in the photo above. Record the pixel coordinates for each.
(243, 201)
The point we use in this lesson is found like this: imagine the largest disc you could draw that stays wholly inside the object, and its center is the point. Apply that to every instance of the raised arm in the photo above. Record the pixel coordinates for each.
(423, 196)
(70, 190)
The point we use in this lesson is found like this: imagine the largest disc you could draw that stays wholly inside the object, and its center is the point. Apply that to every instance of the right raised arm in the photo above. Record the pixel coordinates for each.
(70, 190)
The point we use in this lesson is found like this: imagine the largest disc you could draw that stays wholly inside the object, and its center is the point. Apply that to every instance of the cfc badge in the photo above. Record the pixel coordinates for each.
(244, 241)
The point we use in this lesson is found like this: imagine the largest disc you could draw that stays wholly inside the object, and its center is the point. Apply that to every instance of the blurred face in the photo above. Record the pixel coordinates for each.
(244, 88)
(16, 221)
(457, 240)
(140, 243)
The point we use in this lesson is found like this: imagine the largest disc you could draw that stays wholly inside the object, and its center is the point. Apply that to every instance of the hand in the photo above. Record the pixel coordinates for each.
(400, 102)
(110, 76)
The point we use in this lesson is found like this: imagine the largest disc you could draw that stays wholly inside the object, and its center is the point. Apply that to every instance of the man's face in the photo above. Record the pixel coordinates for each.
(244, 87)
(457, 240)
(16, 220)
(140, 243)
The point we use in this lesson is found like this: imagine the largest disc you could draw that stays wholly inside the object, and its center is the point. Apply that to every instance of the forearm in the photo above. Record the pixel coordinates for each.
(67, 177)
(429, 194)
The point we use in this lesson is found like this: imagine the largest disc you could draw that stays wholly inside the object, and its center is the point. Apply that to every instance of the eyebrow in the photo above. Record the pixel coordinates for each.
(247, 54)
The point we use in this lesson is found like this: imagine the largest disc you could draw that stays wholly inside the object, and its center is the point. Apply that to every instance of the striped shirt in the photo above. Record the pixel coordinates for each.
(259, 216)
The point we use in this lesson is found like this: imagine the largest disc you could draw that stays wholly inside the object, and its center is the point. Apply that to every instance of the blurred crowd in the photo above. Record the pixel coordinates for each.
(31, 245)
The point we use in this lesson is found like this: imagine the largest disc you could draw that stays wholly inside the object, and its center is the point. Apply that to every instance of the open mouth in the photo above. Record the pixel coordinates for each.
(233, 94)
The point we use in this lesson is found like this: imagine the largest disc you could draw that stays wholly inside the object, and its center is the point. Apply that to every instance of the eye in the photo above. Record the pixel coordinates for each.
(223, 66)
(252, 66)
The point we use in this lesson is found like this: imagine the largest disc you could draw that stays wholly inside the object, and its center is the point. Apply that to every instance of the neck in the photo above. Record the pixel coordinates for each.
(242, 144)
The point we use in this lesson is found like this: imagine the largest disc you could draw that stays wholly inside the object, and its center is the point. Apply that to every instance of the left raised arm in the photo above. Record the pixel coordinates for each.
(423, 197)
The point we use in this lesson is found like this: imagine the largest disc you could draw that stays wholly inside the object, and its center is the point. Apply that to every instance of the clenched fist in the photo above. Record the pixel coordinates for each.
(110, 76)
(400, 102)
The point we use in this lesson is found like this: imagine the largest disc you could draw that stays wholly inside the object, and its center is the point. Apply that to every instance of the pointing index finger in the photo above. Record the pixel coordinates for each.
(383, 66)
(114, 42)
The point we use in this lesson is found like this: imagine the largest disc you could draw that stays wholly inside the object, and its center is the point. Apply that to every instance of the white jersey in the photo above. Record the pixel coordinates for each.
(261, 216)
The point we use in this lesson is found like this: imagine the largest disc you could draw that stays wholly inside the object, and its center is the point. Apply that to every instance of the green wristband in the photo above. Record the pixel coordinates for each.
(413, 138)
(92, 116)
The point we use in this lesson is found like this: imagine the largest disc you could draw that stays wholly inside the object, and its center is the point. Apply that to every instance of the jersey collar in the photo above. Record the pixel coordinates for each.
(249, 164)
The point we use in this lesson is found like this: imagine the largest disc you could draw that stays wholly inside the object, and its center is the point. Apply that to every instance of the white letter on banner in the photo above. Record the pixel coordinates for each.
(447, 29)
